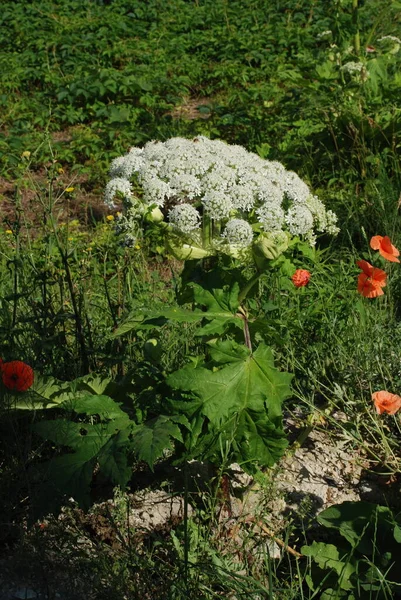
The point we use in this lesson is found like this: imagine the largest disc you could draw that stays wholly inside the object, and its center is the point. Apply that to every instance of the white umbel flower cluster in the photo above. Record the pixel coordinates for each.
(115, 186)
(200, 182)
(238, 233)
(184, 218)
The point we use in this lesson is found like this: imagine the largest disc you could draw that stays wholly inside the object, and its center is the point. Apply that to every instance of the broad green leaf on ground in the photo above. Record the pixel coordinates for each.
(218, 325)
(104, 406)
(227, 351)
(216, 302)
(327, 557)
(360, 523)
(71, 474)
(93, 383)
(151, 439)
(157, 318)
(242, 400)
(256, 438)
(113, 458)
(46, 392)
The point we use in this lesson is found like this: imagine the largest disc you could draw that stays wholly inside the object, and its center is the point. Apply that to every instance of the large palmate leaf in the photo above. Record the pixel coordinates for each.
(46, 392)
(152, 438)
(100, 405)
(241, 400)
(103, 443)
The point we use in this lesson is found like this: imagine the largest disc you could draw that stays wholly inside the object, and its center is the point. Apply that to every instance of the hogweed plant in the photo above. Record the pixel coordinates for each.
(232, 217)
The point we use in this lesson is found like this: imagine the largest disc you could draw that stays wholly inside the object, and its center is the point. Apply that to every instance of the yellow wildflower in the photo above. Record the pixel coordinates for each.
(9, 231)
(69, 190)
(61, 171)
(110, 217)
(26, 154)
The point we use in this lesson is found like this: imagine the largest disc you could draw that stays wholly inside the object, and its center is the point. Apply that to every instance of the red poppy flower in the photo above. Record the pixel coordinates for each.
(385, 247)
(17, 375)
(301, 278)
(385, 402)
(371, 281)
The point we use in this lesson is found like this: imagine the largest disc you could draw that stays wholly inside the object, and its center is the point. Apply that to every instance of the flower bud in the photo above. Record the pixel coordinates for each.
(183, 251)
(270, 245)
(155, 215)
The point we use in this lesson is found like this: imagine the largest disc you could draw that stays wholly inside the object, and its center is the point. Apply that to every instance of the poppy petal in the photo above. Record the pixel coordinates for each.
(379, 277)
(365, 266)
(376, 241)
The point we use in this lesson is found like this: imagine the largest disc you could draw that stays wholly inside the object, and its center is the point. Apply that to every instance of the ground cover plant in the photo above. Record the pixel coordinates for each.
(199, 259)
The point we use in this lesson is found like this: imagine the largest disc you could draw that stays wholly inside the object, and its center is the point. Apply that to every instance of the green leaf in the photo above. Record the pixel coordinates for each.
(100, 405)
(71, 474)
(94, 383)
(46, 392)
(242, 400)
(112, 459)
(62, 432)
(228, 352)
(397, 534)
(217, 299)
(152, 438)
(327, 557)
(357, 522)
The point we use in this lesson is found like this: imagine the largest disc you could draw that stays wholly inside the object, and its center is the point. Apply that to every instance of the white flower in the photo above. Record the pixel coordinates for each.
(271, 216)
(155, 190)
(238, 233)
(125, 166)
(217, 205)
(331, 227)
(299, 220)
(184, 217)
(185, 186)
(242, 197)
(295, 188)
(352, 67)
(118, 184)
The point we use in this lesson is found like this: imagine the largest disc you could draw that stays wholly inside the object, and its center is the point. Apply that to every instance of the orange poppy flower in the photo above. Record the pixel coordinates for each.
(371, 281)
(17, 375)
(385, 247)
(301, 278)
(385, 402)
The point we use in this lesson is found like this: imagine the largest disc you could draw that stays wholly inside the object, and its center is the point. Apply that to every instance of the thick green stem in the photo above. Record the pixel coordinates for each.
(206, 231)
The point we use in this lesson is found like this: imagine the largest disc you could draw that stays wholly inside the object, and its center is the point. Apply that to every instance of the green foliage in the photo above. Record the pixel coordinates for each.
(365, 559)
(98, 434)
(235, 404)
